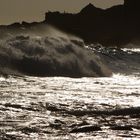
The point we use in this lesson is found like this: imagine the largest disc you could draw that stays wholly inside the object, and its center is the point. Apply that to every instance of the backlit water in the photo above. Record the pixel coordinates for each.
(47, 108)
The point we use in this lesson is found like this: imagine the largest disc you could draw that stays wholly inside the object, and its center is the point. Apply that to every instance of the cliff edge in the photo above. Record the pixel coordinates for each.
(117, 25)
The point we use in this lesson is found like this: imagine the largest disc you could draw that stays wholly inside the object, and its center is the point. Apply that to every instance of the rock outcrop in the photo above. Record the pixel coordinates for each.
(117, 25)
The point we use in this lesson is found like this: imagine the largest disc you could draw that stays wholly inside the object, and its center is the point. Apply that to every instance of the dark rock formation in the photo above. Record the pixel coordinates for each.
(88, 128)
(122, 128)
(117, 25)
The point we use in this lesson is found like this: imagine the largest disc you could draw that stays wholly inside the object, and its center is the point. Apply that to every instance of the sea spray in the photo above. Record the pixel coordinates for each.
(50, 56)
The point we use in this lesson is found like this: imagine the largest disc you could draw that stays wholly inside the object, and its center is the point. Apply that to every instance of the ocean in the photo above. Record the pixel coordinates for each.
(54, 107)
(56, 87)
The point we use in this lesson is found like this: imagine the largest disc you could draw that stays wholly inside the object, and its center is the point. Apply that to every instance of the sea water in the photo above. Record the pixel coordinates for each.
(38, 108)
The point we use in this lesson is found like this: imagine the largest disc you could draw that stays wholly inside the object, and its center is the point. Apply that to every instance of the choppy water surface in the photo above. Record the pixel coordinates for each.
(67, 108)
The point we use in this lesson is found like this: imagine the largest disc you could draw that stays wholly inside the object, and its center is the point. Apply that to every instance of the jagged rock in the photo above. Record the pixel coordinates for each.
(90, 10)
(123, 128)
(87, 128)
(117, 25)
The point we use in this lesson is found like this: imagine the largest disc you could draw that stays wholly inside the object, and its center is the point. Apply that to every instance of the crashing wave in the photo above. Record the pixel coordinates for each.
(49, 56)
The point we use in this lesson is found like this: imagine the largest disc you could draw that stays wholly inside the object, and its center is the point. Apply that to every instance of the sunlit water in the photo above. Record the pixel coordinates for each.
(36, 108)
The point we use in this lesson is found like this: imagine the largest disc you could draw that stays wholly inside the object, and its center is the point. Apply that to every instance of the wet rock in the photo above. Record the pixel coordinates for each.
(98, 83)
(47, 132)
(87, 128)
(27, 130)
(80, 124)
(123, 128)
(125, 111)
(16, 106)
(13, 105)
(59, 121)
(55, 125)
(53, 108)
(115, 112)
(135, 116)
(4, 136)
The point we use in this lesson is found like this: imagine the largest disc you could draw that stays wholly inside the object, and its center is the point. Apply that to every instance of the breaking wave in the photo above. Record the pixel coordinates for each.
(49, 56)
(42, 50)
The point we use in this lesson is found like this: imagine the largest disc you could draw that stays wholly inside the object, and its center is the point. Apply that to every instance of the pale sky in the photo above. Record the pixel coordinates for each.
(34, 10)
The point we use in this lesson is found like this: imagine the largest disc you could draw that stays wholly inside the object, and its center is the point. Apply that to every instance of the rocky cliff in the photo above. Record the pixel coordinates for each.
(117, 25)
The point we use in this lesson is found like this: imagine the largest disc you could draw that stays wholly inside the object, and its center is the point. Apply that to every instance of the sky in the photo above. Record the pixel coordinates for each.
(34, 10)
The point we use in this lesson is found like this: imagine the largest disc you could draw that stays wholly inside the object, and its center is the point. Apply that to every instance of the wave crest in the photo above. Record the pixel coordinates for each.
(49, 56)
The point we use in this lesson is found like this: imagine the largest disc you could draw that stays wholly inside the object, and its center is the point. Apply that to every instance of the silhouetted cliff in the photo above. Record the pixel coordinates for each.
(114, 26)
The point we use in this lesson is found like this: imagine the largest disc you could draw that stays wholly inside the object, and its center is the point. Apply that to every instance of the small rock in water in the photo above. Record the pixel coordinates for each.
(84, 129)
(81, 124)
(52, 107)
(129, 128)
(27, 130)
